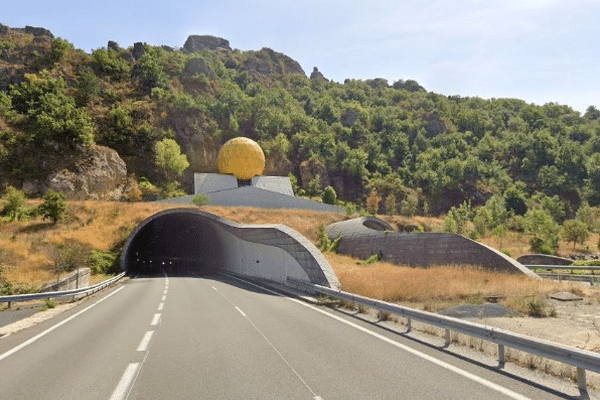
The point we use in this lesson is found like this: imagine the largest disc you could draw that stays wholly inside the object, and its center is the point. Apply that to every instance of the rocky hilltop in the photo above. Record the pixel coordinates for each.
(107, 169)
(92, 125)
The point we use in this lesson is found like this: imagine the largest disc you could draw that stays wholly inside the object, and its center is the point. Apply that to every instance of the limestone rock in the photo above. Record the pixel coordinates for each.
(113, 45)
(269, 62)
(138, 50)
(198, 66)
(100, 174)
(317, 75)
(36, 31)
(311, 168)
(205, 42)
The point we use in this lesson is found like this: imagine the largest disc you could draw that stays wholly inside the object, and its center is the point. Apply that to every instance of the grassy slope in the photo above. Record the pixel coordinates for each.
(100, 225)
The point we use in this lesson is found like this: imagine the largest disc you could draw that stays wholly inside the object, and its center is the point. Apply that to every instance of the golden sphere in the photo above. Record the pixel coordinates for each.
(241, 157)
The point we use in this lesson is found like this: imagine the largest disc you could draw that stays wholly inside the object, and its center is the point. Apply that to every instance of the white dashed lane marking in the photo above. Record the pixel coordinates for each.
(155, 319)
(145, 341)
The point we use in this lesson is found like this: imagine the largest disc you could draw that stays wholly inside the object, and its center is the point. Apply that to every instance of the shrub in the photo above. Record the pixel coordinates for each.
(329, 196)
(59, 49)
(54, 206)
(200, 199)
(575, 231)
(390, 204)
(373, 201)
(110, 63)
(104, 262)
(536, 308)
(14, 200)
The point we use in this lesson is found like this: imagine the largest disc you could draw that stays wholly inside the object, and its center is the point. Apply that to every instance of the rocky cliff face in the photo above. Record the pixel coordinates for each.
(205, 42)
(98, 174)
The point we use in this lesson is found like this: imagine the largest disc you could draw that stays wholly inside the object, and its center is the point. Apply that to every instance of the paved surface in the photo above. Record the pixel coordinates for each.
(13, 315)
(220, 338)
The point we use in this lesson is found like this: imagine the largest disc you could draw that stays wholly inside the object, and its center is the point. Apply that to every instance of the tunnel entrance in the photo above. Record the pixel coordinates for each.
(177, 243)
(189, 241)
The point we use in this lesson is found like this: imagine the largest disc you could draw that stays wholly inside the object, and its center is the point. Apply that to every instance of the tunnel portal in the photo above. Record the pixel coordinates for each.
(177, 243)
(189, 241)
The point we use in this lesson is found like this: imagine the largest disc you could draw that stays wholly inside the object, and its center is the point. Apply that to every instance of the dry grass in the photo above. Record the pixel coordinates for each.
(26, 245)
(438, 287)
(100, 225)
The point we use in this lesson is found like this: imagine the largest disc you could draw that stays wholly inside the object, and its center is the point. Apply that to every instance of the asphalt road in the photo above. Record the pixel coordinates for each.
(221, 338)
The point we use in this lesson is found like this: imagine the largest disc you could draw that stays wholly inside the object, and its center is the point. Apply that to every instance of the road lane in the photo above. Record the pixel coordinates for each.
(218, 337)
(81, 359)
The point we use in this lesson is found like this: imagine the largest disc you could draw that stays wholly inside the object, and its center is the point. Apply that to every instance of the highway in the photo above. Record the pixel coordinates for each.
(217, 337)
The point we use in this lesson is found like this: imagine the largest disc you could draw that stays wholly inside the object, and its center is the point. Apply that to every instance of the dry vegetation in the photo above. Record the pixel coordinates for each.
(439, 287)
(25, 248)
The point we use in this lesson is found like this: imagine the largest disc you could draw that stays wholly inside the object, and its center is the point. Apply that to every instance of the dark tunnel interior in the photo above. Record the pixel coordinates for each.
(175, 244)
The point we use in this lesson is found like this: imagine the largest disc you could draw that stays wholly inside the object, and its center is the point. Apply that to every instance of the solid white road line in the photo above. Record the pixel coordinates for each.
(160, 306)
(241, 312)
(155, 319)
(450, 367)
(145, 341)
(122, 390)
(47, 331)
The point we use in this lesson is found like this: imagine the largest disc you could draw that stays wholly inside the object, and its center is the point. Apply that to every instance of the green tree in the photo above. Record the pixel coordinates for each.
(14, 200)
(390, 204)
(409, 205)
(59, 49)
(543, 230)
(329, 195)
(575, 231)
(314, 186)
(54, 206)
(88, 87)
(170, 158)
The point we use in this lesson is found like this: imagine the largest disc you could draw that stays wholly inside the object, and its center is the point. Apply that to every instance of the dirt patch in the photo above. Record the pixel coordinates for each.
(577, 324)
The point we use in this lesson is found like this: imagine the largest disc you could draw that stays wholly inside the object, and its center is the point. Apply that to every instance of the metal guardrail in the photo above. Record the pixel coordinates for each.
(567, 276)
(84, 291)
(582, 359)
(569, 267)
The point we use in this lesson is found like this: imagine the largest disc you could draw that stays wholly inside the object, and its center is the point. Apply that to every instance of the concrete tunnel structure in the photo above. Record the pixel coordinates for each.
(188, 241)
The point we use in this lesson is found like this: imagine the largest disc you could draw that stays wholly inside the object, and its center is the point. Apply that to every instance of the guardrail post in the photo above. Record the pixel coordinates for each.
(447, 338)
(9, 304)
(501, 356)
(408, 325)
(581, 383)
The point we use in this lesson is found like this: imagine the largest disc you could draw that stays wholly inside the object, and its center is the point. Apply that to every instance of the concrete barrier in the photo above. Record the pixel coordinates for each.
(359, 239)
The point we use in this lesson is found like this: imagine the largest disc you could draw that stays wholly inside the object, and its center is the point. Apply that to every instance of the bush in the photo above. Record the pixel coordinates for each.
(59, 49)
(14, 200)
(110, 63)
(329, 195)
(104, 262)
(54, 206)
(200, 199)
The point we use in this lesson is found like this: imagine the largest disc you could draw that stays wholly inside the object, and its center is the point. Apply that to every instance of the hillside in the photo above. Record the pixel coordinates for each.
(88, 125)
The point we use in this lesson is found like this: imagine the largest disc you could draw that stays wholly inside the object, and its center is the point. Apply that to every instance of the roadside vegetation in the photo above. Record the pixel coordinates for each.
(92, 233)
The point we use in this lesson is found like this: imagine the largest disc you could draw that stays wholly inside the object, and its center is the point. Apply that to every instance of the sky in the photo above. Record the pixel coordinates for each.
(539, 51)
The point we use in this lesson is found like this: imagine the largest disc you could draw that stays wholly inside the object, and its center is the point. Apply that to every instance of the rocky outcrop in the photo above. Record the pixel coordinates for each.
(99, 174)
(138, 50)
(310, 169)
(269, 62)
(316, 75)
(205, 42)
(198, 66)
(35, 31)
